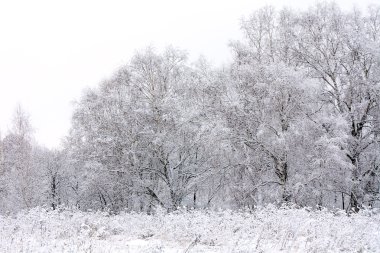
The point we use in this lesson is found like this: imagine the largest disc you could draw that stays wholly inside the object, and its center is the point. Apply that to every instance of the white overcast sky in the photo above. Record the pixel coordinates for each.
(51, 50)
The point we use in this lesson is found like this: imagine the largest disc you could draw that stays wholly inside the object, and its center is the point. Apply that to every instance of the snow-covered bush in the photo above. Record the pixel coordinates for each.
(267, 229)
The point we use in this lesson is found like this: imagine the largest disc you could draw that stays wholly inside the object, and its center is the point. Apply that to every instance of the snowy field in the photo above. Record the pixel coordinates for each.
(265, 230)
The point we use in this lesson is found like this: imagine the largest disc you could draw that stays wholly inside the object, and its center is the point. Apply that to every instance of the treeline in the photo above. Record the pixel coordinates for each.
(295, 118)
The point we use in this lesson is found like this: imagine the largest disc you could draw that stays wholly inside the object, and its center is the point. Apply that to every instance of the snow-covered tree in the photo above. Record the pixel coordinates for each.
(17, 164)
(341, 50)
(143, 138)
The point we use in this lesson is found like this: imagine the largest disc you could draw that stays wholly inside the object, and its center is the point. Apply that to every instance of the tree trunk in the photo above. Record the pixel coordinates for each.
(281, 170)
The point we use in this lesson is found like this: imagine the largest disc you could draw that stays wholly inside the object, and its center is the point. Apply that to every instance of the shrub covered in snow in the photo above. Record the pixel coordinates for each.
(268, 229)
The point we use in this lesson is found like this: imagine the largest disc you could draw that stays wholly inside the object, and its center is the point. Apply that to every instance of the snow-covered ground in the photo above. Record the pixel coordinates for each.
(265, 230)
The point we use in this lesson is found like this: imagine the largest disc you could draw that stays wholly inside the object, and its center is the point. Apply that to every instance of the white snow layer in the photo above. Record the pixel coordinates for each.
(264, 230)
